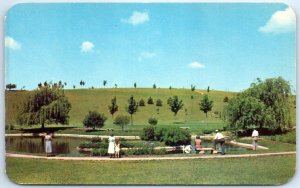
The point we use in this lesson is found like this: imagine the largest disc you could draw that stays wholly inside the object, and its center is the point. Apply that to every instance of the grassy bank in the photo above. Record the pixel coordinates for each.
(84, 100)
(239, 171)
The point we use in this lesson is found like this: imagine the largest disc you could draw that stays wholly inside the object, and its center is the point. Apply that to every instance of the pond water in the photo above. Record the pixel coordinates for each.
(67, 146)
(36, 145)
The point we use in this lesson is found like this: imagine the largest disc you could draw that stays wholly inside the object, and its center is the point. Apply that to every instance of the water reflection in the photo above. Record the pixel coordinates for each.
(37, 144)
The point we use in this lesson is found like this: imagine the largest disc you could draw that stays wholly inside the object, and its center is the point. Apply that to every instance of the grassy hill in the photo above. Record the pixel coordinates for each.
(84, 100)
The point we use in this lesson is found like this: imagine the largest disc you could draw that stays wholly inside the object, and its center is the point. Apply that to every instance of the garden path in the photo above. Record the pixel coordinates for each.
(147, 158)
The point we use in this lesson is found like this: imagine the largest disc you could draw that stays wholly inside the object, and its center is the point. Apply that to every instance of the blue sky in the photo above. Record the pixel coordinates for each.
(224, 46)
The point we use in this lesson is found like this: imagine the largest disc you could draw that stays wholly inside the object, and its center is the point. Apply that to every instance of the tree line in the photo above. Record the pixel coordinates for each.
(47, 104)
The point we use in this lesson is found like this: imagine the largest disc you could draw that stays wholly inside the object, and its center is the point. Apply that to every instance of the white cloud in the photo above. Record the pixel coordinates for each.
(280, 22)
(196, 65)
(146, 55)
(12, 43)
(137, 18)
(87, 46)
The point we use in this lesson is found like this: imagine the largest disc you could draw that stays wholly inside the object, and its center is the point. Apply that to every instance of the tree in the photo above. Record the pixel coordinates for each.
(154, 86)
(74, 86)
(206, 104)
(132, 108)
(82, 83)
(134, 85)
(150, 101)
(94, 119)
(271, 98)
(193, 88)
(45, 105)
(11, 86)
(244, 113)
(159, 102)
(116, 85)
(175, 105)
(121, 120)
(142, 102)
(113, 107)
(208, 89)
(104, 83)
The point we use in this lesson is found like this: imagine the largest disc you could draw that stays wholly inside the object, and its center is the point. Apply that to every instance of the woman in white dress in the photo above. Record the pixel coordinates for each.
(111, 146)
(48, 144)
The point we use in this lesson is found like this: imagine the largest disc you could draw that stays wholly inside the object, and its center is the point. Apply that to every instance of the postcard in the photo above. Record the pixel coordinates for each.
(150, 93)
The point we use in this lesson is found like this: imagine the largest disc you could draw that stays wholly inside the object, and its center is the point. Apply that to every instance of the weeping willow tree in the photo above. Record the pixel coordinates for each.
(45, 105)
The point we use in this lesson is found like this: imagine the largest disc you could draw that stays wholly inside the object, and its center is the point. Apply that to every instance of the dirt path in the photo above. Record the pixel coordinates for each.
(147, 158)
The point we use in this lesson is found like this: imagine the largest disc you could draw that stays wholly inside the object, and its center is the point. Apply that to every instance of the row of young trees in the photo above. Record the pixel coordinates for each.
(47, 104)
(82, 83)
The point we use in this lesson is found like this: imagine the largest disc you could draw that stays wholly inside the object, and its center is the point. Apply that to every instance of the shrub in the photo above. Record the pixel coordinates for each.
(150, 101)
(225, 99)
(99, 152)
(159, 134)
(93, 145)
(176, 137)
(142, 102)
(148, 133)
(159, 102)
(125, 144)
(94, 119)
(122, 120)
(140, 151)
(152, 121)
(96, 139)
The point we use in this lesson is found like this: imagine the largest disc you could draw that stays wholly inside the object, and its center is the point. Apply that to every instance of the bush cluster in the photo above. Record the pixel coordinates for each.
(93, 145)
(171, 137)
(152, 121)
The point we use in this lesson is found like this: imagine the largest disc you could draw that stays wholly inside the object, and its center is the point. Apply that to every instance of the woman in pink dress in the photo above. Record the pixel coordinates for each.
(198, 144)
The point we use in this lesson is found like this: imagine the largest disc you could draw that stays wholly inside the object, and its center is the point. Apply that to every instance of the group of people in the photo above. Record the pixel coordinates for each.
(220, 139)
(113, 147)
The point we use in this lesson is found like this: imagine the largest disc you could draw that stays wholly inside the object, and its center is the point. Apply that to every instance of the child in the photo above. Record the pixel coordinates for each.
(117, 149)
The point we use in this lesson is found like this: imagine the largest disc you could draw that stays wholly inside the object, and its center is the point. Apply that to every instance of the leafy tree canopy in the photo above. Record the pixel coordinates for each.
(94, 119)
(206, 104)
(265, 105)
(45, 105)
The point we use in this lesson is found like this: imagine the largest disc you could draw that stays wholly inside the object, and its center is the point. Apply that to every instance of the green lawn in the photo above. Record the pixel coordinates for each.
(238, 171)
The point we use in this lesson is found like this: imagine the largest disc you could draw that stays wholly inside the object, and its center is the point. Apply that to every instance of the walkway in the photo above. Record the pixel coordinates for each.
(147, 158)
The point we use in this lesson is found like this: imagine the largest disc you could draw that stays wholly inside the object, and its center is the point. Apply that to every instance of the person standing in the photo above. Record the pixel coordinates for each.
(198, 143)
(254, 138)
(111, 146)
(48, 144)
(117, 148)
(219, 138)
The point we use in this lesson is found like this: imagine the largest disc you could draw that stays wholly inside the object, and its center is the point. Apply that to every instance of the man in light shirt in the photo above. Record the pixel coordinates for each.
(255, 138)
(219, 138)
